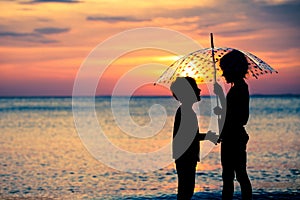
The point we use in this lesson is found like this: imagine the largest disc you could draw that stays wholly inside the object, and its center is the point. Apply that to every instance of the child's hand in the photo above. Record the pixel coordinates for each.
(217, 110)
(218, 89)
(212, 136)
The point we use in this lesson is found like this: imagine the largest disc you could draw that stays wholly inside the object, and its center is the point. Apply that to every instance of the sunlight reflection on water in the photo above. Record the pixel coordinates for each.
(42, 155)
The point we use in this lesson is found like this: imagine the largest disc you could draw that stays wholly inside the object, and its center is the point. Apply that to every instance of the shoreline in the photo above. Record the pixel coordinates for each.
(257, 194)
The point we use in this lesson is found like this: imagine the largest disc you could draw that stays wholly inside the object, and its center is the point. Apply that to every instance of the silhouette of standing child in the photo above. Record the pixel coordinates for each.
(233, 137)
(186, 135)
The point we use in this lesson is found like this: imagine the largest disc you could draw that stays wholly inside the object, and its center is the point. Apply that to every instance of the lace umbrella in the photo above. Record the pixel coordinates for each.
(203, 66)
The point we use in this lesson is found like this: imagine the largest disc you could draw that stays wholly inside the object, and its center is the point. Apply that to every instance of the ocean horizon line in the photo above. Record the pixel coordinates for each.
(140, 96)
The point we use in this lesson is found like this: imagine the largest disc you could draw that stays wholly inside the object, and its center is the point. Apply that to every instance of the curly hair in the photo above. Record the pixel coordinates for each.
(236, 62)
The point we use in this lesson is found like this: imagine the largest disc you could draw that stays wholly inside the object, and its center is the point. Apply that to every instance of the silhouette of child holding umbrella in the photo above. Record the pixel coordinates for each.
(233, 136)
(186, 135)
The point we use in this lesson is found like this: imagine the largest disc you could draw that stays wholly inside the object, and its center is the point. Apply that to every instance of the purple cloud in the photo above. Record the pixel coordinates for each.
(51, 30)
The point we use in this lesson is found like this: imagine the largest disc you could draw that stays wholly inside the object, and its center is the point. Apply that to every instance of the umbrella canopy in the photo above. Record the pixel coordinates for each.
(202, 65)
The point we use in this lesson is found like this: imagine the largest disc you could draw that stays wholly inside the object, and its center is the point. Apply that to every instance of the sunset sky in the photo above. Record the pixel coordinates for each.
(43, 43)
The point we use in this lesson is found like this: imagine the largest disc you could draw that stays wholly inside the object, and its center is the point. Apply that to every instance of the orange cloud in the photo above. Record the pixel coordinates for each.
(45, 43)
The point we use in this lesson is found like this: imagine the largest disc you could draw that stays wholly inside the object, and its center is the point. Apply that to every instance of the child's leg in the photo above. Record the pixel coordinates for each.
(242, 176)
(186, 180)
(228, 162)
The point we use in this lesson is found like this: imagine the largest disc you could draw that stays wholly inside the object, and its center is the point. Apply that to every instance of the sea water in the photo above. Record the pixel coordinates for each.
(43, 155)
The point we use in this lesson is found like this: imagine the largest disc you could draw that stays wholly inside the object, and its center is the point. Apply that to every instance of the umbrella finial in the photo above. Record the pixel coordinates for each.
(213, 56)
(212, 40)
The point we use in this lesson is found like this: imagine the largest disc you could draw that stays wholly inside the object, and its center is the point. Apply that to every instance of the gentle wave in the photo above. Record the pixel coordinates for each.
(42, 155)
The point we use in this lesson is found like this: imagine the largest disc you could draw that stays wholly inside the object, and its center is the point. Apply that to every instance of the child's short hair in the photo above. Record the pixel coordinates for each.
(182, 85)
(236, 61)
